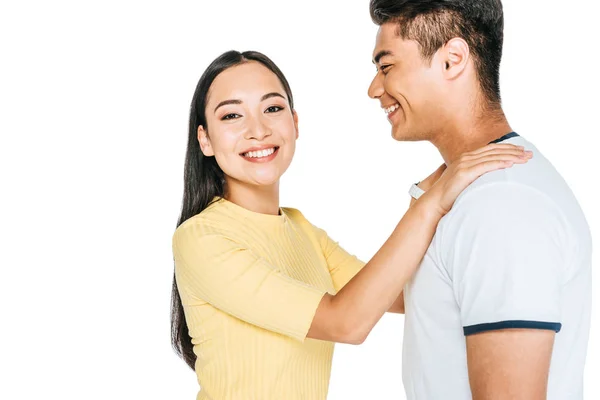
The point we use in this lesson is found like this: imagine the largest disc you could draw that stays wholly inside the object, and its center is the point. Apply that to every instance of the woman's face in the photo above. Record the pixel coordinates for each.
(251, 129)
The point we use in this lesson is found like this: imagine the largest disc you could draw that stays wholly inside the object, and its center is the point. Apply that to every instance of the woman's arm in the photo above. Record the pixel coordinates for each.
(349, 316)
(426, 184)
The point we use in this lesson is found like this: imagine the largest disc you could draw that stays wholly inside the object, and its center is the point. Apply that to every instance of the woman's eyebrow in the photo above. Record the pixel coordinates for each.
(225, 102)
(236, 101)
(272, 94)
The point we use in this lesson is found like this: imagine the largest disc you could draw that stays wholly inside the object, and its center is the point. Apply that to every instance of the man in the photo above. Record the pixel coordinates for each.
(500, 307)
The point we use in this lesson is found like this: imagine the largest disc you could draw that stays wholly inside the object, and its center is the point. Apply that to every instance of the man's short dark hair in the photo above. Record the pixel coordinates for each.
(432, 23)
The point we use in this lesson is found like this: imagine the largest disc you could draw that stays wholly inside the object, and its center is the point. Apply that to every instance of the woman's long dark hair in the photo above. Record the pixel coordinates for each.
(203, 178)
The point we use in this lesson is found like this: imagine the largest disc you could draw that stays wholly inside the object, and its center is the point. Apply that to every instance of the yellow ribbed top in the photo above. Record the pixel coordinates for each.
(250, 284)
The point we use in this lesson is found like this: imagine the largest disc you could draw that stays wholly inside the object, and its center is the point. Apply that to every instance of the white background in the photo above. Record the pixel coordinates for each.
(94, 100)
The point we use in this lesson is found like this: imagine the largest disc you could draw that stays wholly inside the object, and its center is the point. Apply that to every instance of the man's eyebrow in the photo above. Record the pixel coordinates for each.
(272, 94)
(381, 54)
(225, 102)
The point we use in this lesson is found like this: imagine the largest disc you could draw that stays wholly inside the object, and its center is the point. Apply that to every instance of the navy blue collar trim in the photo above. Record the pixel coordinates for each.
(507, 136)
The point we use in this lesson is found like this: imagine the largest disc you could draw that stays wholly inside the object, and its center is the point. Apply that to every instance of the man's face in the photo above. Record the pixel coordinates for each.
(408, 87)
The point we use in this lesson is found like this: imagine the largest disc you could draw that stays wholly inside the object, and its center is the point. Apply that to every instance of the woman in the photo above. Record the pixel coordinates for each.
(258, 283)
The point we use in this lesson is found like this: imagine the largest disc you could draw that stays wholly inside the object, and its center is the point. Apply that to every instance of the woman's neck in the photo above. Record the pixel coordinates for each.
(260, 199)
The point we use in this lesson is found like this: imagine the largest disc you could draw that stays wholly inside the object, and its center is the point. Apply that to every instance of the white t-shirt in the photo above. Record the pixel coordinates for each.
(514, 252)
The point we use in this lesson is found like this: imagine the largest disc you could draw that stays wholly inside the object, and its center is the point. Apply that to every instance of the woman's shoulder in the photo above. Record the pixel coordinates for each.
(213, 220)
(292, 213)
(297, 217)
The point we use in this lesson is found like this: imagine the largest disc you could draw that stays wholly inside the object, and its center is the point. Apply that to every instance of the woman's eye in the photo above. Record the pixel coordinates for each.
(230, 116)
(273, 109)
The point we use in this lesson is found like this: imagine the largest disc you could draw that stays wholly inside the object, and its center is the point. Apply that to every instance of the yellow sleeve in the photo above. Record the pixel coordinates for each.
(342, 265)
(221, 272)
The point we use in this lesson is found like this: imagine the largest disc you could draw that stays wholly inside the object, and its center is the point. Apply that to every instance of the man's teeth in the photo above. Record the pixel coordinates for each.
(260, 153)
(391, 108)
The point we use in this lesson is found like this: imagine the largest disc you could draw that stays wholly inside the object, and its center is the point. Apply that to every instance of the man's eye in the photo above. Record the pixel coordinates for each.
(273, 109)
(384, 68)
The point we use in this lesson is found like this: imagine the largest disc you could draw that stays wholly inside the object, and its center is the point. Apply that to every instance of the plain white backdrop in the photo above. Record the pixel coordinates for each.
(94, 100)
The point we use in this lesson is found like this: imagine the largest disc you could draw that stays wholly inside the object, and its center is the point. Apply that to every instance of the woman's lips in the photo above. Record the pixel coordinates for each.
(261, 156)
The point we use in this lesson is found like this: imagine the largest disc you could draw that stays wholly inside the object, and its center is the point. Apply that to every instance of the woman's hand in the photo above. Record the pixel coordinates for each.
(428, 182)
(452, 180)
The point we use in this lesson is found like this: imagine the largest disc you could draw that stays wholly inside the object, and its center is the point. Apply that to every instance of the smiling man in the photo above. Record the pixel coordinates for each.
(500, 307)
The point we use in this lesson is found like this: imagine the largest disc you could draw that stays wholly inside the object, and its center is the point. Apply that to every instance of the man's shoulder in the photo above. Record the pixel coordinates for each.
(535, 179)
(502, 204)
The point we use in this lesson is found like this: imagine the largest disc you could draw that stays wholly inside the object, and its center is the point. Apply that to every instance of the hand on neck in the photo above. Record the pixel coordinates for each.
(470, 133)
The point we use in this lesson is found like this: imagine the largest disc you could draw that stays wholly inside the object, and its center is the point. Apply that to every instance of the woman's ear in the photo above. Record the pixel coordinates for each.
(204, 141)
(295, 115)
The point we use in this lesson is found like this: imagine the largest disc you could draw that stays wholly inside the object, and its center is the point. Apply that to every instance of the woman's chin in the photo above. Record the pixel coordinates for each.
(266, 178)
(264, 181)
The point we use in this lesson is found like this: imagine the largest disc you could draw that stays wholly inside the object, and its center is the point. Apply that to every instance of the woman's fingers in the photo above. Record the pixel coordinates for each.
(463, 172)
(520, 158)
(495, 146)
(470, 166)
(470, 174)
(469, 171)
(490, 152)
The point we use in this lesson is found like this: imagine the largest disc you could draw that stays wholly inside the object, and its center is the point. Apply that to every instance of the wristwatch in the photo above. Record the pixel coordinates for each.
(415, 191)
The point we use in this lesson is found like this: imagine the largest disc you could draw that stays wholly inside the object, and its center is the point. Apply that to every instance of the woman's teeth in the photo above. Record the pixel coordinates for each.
(391, 108)
(259, 153)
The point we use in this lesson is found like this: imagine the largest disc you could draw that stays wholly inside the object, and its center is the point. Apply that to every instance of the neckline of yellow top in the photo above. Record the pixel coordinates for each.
(253, 216)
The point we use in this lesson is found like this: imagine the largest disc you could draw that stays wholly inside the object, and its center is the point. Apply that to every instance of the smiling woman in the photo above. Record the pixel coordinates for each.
(253, 131)
(260, 294)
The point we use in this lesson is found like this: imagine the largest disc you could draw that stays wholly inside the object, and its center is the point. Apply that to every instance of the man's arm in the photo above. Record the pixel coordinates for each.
(507, 248)
(509, 364)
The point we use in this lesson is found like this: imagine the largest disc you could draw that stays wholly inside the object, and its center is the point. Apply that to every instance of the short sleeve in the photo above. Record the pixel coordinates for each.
(342, 265)
(232, 278)
(504, 249)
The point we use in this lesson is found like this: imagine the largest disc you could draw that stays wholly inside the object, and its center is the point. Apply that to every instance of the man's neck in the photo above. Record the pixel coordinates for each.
(470, 134)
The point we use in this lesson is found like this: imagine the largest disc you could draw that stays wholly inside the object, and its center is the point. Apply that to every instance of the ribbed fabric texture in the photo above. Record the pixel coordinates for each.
(250, 284)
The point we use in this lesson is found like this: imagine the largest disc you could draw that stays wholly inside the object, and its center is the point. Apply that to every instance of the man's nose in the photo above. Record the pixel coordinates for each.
(376, 88)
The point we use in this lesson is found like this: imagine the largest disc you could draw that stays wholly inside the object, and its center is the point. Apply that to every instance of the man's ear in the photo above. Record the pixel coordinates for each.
(455, 56)
(204, 141)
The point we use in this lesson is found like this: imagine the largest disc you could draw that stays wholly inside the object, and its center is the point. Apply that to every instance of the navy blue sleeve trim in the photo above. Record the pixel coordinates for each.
(551, 326)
